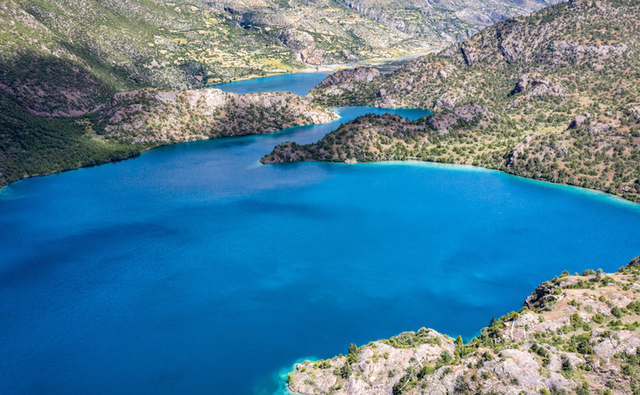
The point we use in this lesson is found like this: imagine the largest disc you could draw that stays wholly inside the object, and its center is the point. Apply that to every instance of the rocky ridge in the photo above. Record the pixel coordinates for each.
(576, 334)
(162, 117)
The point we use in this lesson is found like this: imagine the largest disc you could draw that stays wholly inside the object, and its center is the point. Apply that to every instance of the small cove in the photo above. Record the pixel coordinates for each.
(194, 269)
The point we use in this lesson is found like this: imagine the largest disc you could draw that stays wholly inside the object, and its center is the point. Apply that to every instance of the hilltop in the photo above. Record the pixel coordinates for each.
(575, 334)
(551, 96)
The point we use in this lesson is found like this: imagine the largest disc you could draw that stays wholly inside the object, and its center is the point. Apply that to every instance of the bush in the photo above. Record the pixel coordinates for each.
(616, 311)
(445, 359)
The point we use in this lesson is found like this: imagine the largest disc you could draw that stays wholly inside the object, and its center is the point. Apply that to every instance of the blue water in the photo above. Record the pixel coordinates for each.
(193, 269)
(299, 83)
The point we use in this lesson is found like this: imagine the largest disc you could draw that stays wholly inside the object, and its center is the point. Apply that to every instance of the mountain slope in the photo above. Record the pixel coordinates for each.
(33, 145)
(557, 92)
(62, 57)
(62, 62)
(330, 31)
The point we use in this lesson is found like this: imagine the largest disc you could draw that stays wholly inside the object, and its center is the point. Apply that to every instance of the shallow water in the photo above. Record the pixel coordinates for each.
(194, 269)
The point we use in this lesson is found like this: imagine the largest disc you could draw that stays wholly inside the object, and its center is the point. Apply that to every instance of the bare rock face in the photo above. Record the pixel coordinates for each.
(537, 86)
(305, 47)
(468, 53)
(152, 117)
(376, 368)
(509, 42)
(567, 52)
(578, 121)
(585, 338)
(522, 84)
(345, 81)
(602, 128)
(626, 342)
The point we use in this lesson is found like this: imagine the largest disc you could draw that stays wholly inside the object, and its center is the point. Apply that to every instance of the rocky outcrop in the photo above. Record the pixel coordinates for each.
(346, 84)
(576, 333)
(458, 117)
(578, 121)
(567, 52)
(304, 46)
(153, 117)
(538, 86)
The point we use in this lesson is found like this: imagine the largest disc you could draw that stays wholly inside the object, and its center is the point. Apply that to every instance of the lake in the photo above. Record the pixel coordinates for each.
(193, 269)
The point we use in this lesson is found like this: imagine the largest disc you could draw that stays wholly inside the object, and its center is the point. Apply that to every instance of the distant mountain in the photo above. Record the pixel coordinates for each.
(552, 96)
(338, 31)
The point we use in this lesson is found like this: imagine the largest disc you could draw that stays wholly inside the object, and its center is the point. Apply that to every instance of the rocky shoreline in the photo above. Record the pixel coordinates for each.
(575, 334)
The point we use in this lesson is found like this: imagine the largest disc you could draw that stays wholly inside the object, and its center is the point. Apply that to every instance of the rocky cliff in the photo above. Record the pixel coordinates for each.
(162, 117)
(576, 334)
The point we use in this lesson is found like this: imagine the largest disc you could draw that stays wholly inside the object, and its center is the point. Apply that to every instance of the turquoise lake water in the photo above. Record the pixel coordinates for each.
(193, 269)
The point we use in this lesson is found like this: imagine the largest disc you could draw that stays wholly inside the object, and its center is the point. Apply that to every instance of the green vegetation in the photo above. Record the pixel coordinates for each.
(32, 145)
(412, 339)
